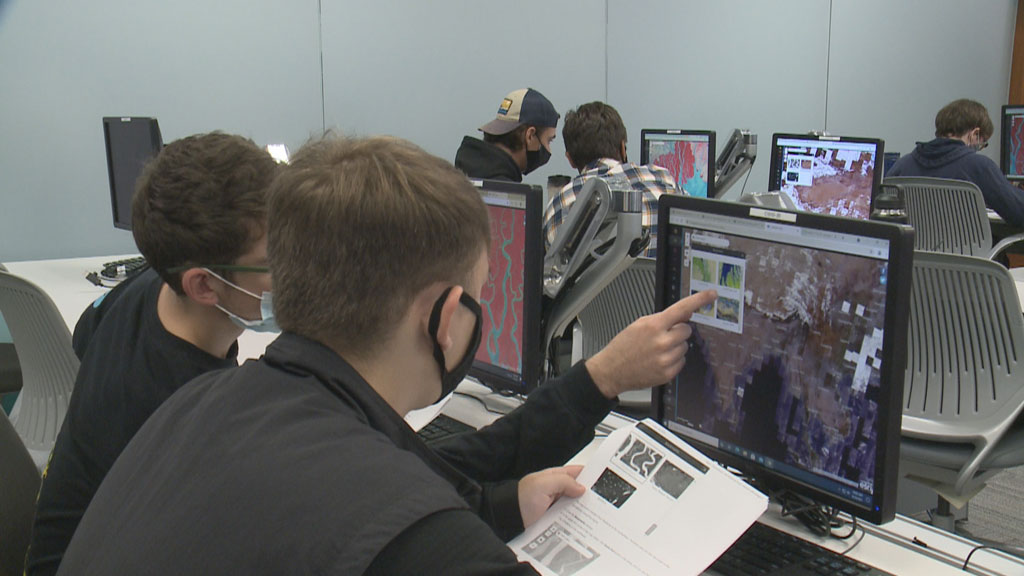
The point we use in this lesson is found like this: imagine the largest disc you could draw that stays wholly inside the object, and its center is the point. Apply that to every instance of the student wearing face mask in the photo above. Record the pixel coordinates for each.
(301, 462)
(199, 218)
(962, 129)
(516, 142)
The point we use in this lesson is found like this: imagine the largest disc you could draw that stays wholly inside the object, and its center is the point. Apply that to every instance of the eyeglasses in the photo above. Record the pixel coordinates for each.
(224, 267)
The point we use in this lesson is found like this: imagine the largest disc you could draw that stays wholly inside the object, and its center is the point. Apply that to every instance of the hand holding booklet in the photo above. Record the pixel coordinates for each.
(654, 505)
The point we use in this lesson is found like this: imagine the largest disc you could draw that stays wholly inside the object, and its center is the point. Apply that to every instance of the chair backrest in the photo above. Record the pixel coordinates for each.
(48, 363)
(628, 297)
(964, 378)
(947, 215)
(19, 484)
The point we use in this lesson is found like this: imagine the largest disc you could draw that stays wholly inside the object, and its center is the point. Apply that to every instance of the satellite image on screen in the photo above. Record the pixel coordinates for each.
(1015, 167)
(687, 161)
(829, 180)
(786, 363)
(501, 297)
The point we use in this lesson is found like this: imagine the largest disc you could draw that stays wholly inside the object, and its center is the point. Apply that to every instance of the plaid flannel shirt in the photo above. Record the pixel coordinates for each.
(653, 181)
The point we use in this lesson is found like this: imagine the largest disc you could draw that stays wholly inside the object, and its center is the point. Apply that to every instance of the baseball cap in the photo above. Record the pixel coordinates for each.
(525, 106)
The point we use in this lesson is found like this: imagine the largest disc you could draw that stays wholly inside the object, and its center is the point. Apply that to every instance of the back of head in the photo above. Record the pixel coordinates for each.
(960, 117)
(201, 201)
(358, 227)
(593, 131)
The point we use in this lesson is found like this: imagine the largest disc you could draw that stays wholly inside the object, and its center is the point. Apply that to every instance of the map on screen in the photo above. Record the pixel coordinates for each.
(501, 297)
(1015, 142)
(784, 366)
(829, 180)
(686, 160)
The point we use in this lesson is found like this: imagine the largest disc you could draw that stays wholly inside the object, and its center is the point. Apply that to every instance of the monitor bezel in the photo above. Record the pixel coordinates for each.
(1004, 148)
(533, 359)
(775, 164)
(712, 149)
(123, 221)
(894, 347)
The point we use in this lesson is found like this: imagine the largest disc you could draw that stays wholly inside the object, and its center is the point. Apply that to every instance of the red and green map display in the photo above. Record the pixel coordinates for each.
(1015, 167)
(502, 295)
(686, 160)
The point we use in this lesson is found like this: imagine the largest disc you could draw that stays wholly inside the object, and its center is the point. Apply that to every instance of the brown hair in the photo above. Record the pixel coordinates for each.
(593, 131)
(513, 140)
(202, 200)
(358, 227)
(961, 116)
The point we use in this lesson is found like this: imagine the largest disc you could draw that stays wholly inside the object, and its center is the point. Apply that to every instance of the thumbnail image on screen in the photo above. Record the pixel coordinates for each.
(784, 367)
(685, 157)
(1013, 143)
(834, 178)
(501, 298)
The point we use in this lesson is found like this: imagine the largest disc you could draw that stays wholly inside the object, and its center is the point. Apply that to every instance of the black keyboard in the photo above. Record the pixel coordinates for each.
(442, 427)
(120, 269)
(766, 550)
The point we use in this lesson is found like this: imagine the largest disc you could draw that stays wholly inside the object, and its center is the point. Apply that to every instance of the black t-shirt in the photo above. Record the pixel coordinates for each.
(130, 365)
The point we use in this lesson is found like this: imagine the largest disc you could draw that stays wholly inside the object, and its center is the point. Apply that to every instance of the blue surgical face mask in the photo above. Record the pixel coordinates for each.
(266, 323)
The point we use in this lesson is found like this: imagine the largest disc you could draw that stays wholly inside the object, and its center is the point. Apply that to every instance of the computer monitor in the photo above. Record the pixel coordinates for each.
(827, 174)
(130, 142)
(795, 374)
(1011, 155)
(889, 159)
(510, 356)
(689, 155)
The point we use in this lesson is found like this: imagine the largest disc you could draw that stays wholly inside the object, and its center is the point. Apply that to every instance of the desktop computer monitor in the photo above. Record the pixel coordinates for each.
(130, 142)
(825, 174)
(510, 358)
(795, 374)
(689, 155)
(1011, 142)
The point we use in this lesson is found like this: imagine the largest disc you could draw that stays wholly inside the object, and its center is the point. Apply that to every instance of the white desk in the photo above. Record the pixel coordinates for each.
(889, 547)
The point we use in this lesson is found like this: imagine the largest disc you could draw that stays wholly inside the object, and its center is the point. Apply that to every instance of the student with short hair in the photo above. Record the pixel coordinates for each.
(301, 462)
(199, 219)
(962, 129)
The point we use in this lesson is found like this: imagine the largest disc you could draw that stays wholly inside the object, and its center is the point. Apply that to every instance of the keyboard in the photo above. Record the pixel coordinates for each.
(119, 269)
(443, 427)
(766, 550)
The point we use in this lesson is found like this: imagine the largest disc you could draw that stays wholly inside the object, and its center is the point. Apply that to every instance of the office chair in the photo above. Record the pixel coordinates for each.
(48, 363)
(964, 385)
(947, 215)
(600, 237)
(19, 484)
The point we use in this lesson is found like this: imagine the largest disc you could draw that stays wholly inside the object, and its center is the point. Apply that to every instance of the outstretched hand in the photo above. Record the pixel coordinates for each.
(648, 352)
(538, 491)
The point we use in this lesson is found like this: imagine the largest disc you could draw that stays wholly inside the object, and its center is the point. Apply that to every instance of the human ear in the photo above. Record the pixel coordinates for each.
(448, 308)
(198, 286)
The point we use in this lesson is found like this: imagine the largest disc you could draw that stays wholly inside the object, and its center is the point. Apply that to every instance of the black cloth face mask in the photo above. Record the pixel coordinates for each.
(450, 380)
(536, 158)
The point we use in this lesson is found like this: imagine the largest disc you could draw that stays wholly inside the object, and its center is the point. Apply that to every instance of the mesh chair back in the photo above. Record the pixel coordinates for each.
(19, 484)
(48, 363)
(964, 380)
(628, 297)
(947, 215)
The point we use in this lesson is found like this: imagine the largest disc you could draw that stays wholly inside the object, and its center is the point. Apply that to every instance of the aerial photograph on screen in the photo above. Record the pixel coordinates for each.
(501, 298)
(790, 369)
(686, 160)
(1016, 143)
(830, 181)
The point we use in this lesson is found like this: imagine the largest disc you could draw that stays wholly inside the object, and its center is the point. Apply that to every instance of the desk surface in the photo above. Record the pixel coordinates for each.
(889, 547)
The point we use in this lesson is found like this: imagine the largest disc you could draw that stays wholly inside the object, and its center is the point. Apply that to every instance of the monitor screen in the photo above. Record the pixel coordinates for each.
(1011, 142)
(689, 155)
(510, 357)
(827, 174)
(130, 142)
(795, 374)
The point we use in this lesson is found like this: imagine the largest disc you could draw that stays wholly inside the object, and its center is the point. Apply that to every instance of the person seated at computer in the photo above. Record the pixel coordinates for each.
(516, 142)
(962, 129)
(595, 145)
(199, 218)
(301, 462)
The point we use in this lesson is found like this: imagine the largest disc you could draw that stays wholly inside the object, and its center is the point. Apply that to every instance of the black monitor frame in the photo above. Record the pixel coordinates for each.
(775, 168)
(893, 352)
(1008, 112)
(124, 164)
(710, 134)
(496, 377)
